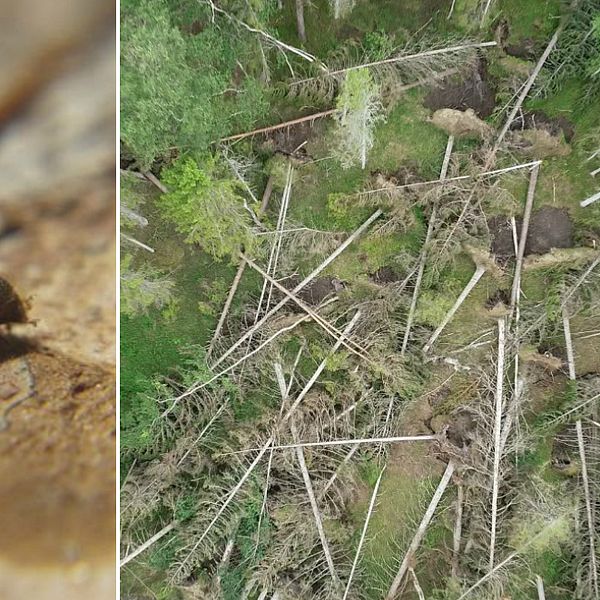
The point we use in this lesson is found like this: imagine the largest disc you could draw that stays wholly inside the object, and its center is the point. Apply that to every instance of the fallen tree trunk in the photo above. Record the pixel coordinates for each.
(363, 534)
(497, 436)
(239, 273)
(589, 510)
(516, 287)
(418, 537)
(479, 271)
(423, 257)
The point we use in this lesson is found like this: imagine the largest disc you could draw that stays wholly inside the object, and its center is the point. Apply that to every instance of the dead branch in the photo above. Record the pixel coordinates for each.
(164, 531)
(539, 583)
(136, 242)
(417, 585)
(420, 533)
(457, 534)
(156, 181)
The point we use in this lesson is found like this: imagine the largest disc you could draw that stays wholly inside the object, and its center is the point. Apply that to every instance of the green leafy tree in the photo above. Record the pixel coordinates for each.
(359, 110)
(205, 205)
(143, 288)
(181, 88)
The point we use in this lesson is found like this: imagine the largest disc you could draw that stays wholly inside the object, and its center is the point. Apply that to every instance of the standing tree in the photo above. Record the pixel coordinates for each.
(205, 205)
(359, 110)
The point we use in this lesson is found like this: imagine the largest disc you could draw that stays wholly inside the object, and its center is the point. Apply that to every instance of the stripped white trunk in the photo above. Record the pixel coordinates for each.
(568, 344)
(423, 257)
(588, 507)
(416, 541)
(497, 436)
(514, 296)
(363, 534)
(479, 271)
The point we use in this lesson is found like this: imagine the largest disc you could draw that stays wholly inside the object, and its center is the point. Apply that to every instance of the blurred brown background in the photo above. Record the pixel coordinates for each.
(57, 249)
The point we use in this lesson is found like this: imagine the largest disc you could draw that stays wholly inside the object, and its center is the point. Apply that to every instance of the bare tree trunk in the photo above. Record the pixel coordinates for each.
(416, 541)
(497, 436)
(457, 535)
(514, 296)
(540, 588)
(568, 344)
(399, 59)
(316, 513)
(302, 284)
(479, 271)
(363, 534)
(423, 257)
(529, 84)
(300, 20)
(588, 507)
(594, 198)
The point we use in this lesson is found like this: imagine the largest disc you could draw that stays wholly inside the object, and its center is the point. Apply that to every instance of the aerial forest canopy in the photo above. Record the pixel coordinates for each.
(360, 299)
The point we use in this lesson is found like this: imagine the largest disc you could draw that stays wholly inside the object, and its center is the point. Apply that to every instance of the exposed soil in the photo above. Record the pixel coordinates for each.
(525, 49)
(57, 456)
(538, 119)
(291, 140)
(548, 228)
(319, 289)
(472, 91)
(462, 428)
(385, 275)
